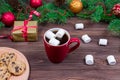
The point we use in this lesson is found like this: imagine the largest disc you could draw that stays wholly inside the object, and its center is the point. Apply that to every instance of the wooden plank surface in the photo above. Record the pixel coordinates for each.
(73, 67)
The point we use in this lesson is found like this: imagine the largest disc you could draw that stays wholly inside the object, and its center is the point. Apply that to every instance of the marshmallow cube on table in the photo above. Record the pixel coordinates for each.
(79, 26)
(49, 34)
(60, 33)
(89, 60)
(111, 60)
(86, 38)
(103, 42)
(54, 42)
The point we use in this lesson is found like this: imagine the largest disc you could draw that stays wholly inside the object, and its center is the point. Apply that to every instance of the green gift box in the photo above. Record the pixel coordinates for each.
(31, 31)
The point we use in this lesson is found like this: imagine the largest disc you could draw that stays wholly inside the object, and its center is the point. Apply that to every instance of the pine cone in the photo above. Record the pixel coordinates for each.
(59, 2)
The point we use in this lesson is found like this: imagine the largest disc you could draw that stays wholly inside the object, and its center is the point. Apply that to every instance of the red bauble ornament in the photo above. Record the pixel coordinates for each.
(35, 3)
(8, 18)
(116, 10)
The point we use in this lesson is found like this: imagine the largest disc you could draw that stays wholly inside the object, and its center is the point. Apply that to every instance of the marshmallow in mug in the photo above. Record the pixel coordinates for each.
(103, 42)
(86, 38)
(111, 60)
(89, 60)
(49, 34)
(60, 33)
(79, 26)
(54, 42)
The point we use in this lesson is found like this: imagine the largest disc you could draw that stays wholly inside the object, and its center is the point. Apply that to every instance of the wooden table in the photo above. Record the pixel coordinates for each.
(73, 67)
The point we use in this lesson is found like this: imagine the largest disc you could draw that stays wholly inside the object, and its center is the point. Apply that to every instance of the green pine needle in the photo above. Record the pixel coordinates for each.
(5, 8)
(97, 15)
(1, 25)
(114, 26)
(53, 14)
(92, 9)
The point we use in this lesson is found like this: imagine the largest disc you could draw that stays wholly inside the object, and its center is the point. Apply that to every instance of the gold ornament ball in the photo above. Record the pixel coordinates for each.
(76, 6)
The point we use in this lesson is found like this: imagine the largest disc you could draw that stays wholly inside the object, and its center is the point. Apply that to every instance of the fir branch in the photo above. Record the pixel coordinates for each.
(5, 8)
(97, 16)
(22, 2)
(1, 25)
(110, 3)
(107, 18)
(53, 14)
(104, 7)
(114, 26)
(2, 2)
(22, 16)
(90, 10)
(68, 1)
(82, 15)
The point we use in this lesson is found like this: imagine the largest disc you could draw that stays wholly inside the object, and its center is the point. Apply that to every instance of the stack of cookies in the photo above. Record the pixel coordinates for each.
(9, 65)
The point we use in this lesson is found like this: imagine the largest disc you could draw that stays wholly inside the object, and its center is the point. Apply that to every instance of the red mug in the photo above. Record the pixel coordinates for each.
(57, 54)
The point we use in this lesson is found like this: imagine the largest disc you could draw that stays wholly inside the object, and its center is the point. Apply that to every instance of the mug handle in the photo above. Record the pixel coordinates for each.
(72, 40)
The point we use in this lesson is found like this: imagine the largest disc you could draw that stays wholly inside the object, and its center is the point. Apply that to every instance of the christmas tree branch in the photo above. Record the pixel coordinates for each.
(104, 7)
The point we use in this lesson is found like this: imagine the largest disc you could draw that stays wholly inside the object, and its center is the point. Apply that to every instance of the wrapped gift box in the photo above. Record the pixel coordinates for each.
(32, 31)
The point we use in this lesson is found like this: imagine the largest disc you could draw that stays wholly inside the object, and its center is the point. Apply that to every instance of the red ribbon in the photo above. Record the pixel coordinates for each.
(35, 13)
(25, 27)
(24, 31)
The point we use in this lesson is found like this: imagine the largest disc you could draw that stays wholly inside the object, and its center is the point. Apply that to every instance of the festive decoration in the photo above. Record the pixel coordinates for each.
(8, 18)
(116, 10)
(96, 10)
(76, 6)
(51, 13)
(35, 3)
(5, 7)
(25, 30)
(100, 10)
(32, 32)
(59, 2)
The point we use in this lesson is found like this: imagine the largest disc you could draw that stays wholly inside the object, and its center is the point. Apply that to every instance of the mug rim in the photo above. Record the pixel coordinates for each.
(53, 29)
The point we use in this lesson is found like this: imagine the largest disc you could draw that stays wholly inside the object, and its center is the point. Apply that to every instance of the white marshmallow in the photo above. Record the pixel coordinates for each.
(89, 60)
(86, 38)
(60, 33)
(79, 26)
(103, 42)
(54, 42)
(111, 60)
(49, 34)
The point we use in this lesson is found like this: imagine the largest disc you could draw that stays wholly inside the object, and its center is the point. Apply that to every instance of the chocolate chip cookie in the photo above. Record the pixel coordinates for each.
(5, 58)
(4, 73)
(16, 67)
